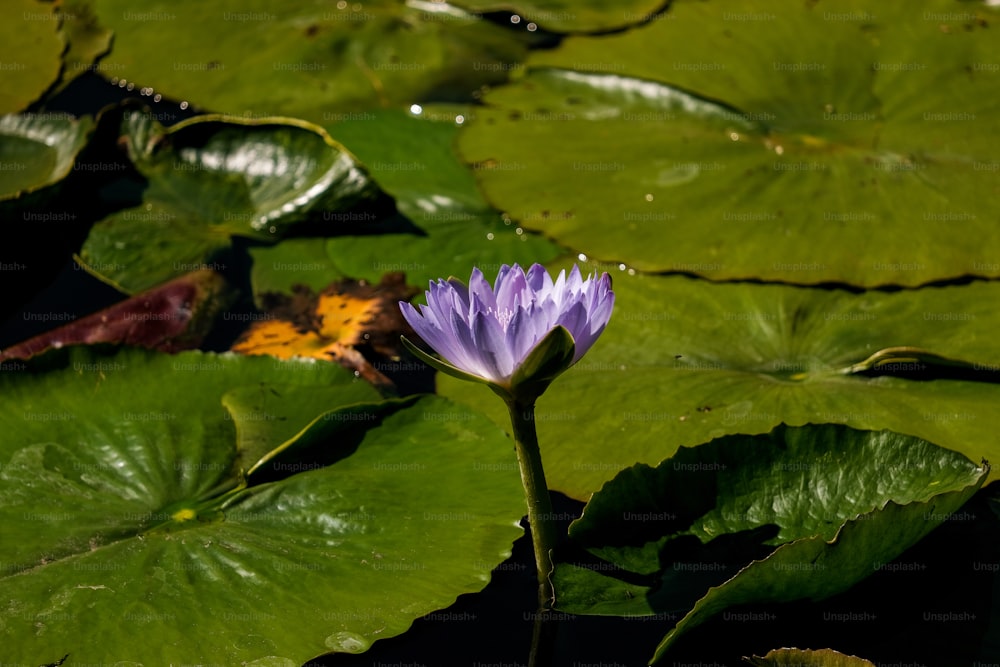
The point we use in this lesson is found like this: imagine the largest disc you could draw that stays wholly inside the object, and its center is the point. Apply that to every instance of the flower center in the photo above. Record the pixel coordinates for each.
(503, 316)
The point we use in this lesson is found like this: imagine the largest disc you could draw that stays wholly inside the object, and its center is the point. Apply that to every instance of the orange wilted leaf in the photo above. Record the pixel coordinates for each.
(350, 322)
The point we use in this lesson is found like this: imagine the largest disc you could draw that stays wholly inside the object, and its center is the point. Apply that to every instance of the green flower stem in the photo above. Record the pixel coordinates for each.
(536, 492)
(543, 531)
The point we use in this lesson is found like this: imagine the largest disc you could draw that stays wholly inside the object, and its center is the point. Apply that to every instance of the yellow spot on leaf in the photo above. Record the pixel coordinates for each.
(283, 340)
(343, 318)
(185, 514)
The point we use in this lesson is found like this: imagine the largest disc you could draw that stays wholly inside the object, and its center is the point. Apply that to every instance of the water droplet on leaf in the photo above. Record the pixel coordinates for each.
(347, 642)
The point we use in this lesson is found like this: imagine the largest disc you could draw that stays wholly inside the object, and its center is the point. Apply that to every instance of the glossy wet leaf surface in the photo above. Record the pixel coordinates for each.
(38, 150)
(684, 361)
(30, 49)
(700, 529)
(88, 40)
(453, 228)
(568, 16)
(211, 178)
(445, 225)
(757, 150)
(317, 61)
(228, 509)
(148, 528)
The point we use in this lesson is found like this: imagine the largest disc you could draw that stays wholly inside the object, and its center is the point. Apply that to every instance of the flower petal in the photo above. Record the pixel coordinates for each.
(575, 282)
(418, 322)
(505, 270)
(575, 321)
(559, 289)
(440, 298)
(468, 356)
(587, 339)
(521, 335)
(478, 287)
(512, 289)
(492, 347)
(539, 280)
(440, 339)
(410, 314)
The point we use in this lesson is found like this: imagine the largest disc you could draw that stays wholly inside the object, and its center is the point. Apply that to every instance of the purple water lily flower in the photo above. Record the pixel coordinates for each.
(522, 332)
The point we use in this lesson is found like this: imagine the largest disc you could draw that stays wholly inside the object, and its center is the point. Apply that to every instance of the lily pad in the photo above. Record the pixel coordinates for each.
(30, 49)
(211, 178)
(447, 226)
(38, 150)
(835, 502)
(570, 16)
(314, 61)
(453, 228)
(730, 141)
(684, 361)
(88, 40)
(125, 510)
(279, 268)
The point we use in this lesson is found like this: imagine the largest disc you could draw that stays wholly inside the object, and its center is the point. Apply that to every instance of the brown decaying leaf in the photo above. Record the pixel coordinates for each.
(341, 323)
(171, 317)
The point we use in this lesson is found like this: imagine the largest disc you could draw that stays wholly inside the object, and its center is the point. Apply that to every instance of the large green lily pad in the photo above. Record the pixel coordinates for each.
(38, 150)
(733, 141)
(684, 361)
(447, 229)
(126, 513)
(30, 49)
(211, 178)
(452, 228)
(570, 15)
(836, 502)
(317, 61)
